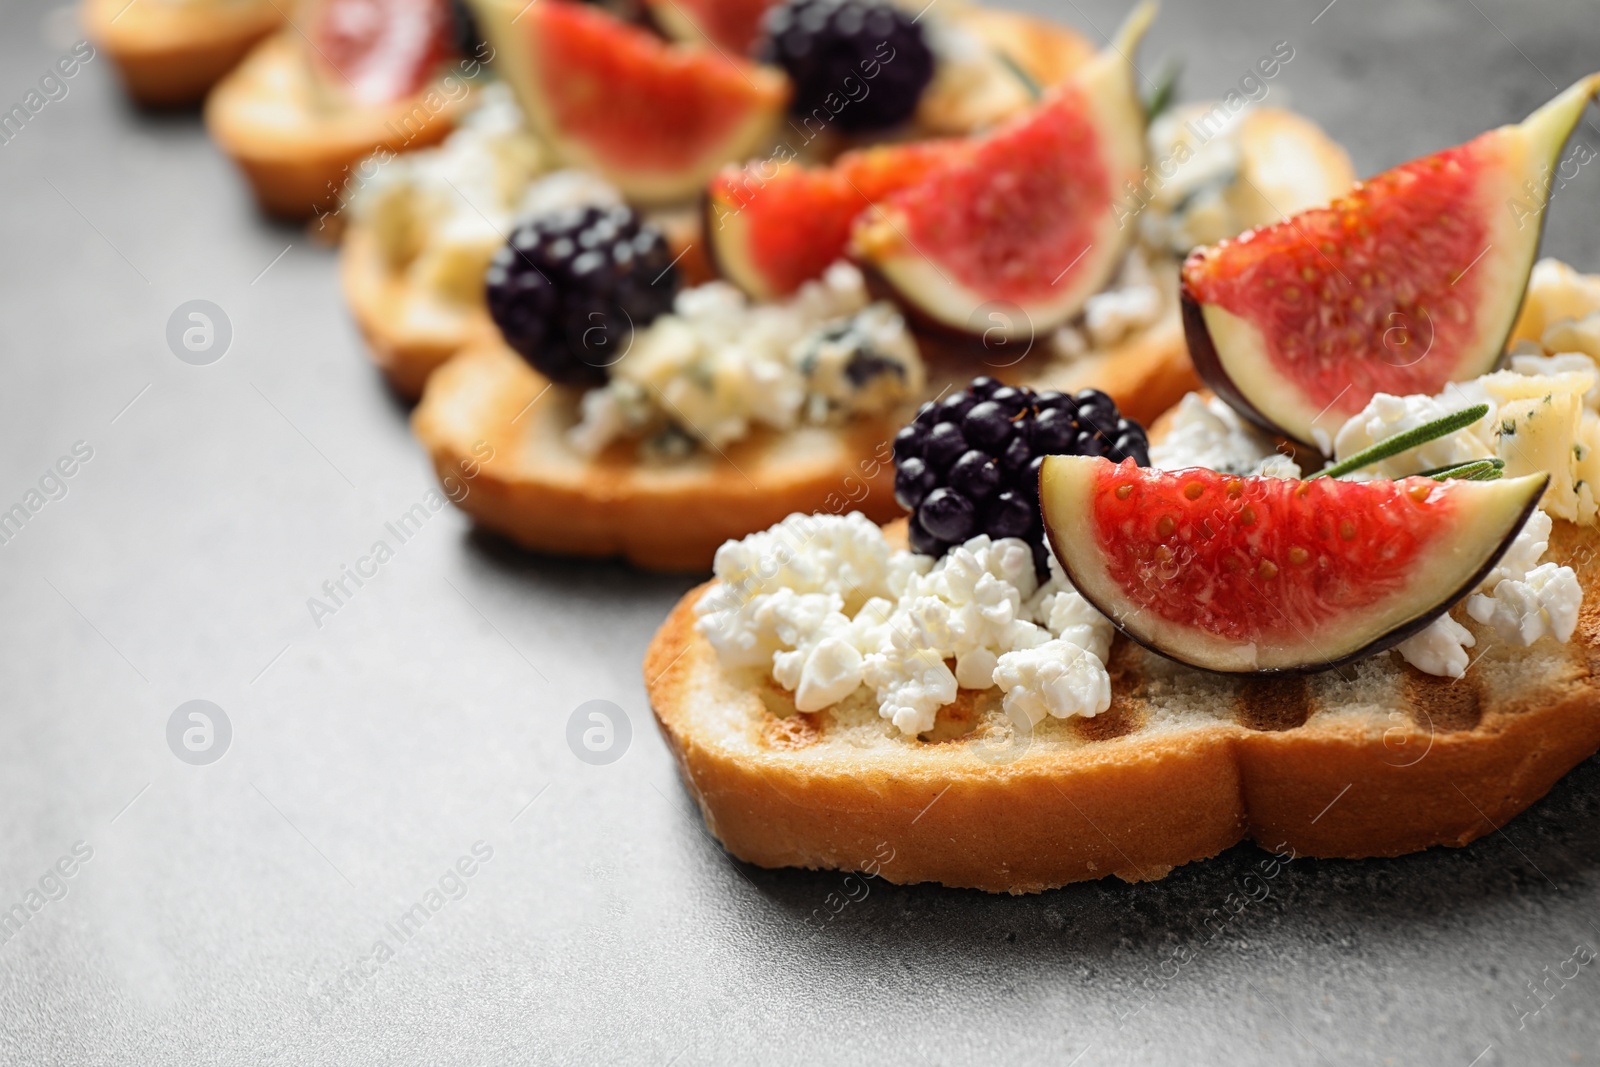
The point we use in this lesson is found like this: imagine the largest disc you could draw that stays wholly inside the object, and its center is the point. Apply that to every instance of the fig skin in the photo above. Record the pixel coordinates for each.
(1208, 364)
(1381, 643)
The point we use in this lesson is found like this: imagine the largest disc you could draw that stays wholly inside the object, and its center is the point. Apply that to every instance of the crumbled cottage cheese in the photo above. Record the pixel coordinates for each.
(1544, 415)
(831, 607)
(1191, 207)
(1544, 602)
(719, 366)
(1535, 422)
(440, 214)
(1132, 302)
(1539, 419)
(1206, 432)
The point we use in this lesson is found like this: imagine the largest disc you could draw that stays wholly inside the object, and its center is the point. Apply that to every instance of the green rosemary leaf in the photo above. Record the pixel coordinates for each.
(1488, 475)
(1495, 461)
(1034, 91)
(1405, 441)
(1166, 91)
(1468, 470)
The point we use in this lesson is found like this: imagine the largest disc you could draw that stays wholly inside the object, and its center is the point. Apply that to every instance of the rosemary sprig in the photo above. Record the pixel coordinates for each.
(1449, 469)
(1165, 91)
(1033, 88)
(1479, 470)
(1405, 441)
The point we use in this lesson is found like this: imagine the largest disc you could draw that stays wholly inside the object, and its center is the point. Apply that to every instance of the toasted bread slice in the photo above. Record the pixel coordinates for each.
(1377, 759)
(296, 149)
(541, 493)
(170, 54)
(497, 427)
(410, 330)
(965, 98)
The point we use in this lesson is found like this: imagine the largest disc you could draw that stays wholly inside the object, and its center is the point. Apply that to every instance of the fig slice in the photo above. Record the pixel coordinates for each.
(379, 51)
(657, 119)
(1269, 575)
(732, 25)
(1025, 222)
(773, 224)
(1411, 280)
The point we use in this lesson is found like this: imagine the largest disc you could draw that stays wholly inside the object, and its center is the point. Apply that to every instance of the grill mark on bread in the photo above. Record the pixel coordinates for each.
(1442, 703)
(959, 718)
(799, 730)
(1273, 704)
(1123, 717)
(1129, 709)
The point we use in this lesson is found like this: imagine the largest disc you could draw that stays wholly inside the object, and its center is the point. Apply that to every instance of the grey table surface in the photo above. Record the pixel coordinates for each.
(231, 912)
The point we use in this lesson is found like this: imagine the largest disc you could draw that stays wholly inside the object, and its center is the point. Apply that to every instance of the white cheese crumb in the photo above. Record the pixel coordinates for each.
(1208, 433)
(1386, 415)
(440, 213)
(1057, 678)
(1543, 604)
(718, 367)
(1440, 648)
(785, 595)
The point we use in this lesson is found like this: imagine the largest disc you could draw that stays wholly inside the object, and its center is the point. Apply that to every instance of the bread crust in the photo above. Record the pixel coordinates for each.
(544, 496)
(382, 302)
(169, 55)
(297, 158)
(1183, 764)
(1048, 51)
(493, 424)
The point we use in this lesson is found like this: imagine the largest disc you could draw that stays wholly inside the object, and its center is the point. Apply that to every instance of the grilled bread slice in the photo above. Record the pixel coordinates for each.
(170, 54)
(1377, 759)
(487, 412)
(295, 148)
(498, 428)
(410, 330)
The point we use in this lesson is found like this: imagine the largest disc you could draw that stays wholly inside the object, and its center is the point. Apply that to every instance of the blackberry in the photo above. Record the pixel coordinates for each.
(465, 34)
(570, 287)
(857, 64)
(968, 464)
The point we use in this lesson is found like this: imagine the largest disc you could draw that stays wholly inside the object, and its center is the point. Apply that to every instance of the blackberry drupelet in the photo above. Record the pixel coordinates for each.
(969, 463)
(570, 287)
(468, 39)
(857, 64)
